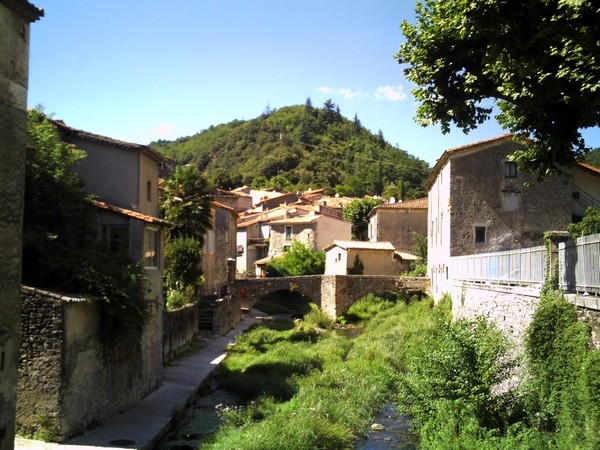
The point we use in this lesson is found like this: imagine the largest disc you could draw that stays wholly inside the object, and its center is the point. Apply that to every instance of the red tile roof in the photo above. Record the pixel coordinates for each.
(130, 213)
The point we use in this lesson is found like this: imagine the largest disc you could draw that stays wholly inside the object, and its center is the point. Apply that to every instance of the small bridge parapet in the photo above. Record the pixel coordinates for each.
(334, 294)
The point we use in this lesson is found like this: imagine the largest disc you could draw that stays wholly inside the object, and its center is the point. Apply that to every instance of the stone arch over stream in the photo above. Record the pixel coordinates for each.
(333, 294)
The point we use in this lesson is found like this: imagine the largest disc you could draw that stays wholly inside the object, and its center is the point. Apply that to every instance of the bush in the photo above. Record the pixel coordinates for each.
(298, 260)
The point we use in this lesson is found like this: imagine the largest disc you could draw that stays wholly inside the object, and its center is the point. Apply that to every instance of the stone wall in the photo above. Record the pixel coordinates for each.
(15, 17)
(219, 315)
(180, 329)
(511, 309)
(69, 379)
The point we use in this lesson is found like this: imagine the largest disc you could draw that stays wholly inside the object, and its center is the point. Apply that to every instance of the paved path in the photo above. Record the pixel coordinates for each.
(144, 424)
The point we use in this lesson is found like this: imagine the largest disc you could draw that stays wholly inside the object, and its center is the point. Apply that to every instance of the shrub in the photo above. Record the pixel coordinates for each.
(298, 260)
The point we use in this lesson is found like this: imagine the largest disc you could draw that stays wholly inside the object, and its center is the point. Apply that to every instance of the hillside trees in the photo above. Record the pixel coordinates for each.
(538, 62)
(301, 147)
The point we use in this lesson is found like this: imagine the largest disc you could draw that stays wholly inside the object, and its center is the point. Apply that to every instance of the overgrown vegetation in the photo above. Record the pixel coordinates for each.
(61, 247)
(301, 147)
(589, 224)
(298, 260)
(357, 213)
(185, 203)
(450, 385)
(307, 386)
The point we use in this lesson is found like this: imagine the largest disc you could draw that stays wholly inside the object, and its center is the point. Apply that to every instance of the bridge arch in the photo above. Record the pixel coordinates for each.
(333, 294)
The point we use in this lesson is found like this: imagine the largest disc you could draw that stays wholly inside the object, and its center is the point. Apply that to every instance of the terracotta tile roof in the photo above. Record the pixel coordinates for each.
(366, 245)
(98, 139)
(130, 213)
(589, 168)
(222, 206)
(417, 203)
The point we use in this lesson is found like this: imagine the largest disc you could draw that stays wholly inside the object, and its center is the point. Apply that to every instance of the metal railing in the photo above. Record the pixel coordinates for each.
(522, 267)
(579, 263)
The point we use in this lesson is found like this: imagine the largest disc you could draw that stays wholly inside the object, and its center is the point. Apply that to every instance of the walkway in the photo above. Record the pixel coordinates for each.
(144, 424)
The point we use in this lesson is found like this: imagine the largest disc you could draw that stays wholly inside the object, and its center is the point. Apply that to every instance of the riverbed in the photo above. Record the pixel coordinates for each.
(200, 422)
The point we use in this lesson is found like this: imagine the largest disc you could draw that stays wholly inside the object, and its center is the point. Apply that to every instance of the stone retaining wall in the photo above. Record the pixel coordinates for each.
(68, 379)
(180, 327)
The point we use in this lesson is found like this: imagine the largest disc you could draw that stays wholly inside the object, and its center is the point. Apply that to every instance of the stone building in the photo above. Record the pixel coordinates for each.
(15, 19)
(397, 222)
(479, 202)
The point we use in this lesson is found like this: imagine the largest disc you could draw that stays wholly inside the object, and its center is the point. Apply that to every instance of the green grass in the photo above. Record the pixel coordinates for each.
(308, 387)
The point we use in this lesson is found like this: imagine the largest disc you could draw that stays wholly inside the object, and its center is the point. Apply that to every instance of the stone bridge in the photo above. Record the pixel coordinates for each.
(334, 294)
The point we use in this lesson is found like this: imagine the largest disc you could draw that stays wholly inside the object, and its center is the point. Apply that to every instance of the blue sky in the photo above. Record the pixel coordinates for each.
(140, 71)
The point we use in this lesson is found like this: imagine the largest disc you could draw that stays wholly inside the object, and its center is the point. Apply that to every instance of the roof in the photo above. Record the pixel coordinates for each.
(222, 206)
(408, 205)
(464, 150)
(130, 213)
(305, 219)
(98, 139)
(406, 256)
(360, 245)
(588, 168)
(25, 9)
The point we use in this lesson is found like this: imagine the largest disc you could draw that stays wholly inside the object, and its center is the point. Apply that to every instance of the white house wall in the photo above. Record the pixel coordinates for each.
(439, 233)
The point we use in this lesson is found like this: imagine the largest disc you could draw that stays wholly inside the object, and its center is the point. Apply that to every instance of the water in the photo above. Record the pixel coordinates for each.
(202, 421)
(394, 433)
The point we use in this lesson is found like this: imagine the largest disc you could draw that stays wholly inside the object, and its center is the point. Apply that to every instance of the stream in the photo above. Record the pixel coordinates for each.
(201, 421)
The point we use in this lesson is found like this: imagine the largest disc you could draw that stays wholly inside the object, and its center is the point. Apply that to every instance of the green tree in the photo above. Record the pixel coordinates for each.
(590, 224)
(185, 202)
(357, 213)
(61, 249)
(538, 62)
(298, 260)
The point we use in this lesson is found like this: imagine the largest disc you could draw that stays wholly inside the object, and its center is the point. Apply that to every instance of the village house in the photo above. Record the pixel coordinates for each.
(362, 258)
(82, 382)
(397, 222)
(218, 256)
(479, 202)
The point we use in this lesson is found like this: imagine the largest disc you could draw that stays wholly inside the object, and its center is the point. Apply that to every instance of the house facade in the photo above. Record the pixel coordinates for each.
(398, 222)
(219, 253)
(479, 202)
(123, 180)
(375, 258)
(313, 230)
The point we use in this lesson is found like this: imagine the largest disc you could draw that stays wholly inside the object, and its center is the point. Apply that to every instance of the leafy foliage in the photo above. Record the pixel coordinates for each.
(459, 363)
(590, 224)
(185, 202)
(61, 250)
(299, 147)
(298, 260)
(357, 213)
(183, 271)
(539, 62)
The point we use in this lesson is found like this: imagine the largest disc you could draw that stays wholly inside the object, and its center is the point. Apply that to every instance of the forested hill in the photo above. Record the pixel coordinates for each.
(301, 147)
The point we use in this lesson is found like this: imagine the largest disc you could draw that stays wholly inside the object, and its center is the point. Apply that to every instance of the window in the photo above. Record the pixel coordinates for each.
(510, 169)
(151, 247)
(149, 191)
(480, 235)
(240, 250)
(288, 233)
(116, 238)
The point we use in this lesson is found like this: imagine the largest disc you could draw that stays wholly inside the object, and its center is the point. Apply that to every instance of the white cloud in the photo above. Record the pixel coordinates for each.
(164, 130)
(382, 93)
(391, 93)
